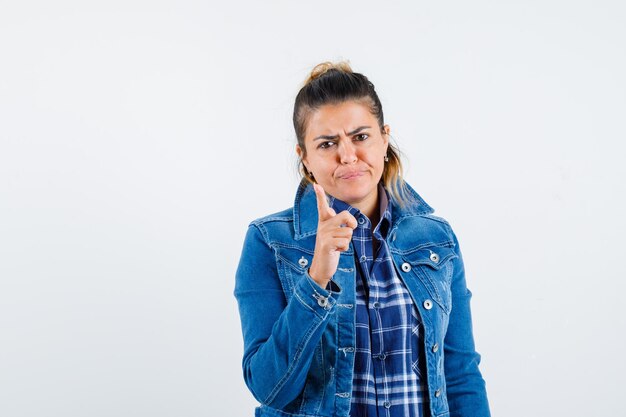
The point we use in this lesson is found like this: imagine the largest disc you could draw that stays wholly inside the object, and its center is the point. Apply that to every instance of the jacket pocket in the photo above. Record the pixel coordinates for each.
(293, 262)
(434, 267)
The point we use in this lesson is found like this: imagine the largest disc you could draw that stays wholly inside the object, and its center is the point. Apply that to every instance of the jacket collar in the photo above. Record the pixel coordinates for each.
(305, 209)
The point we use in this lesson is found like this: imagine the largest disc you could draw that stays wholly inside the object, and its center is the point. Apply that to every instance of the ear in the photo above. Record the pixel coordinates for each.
(300, 152)
(387, 131)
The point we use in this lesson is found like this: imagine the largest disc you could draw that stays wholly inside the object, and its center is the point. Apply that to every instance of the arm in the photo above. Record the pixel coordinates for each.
(279, 336)
(467, 396)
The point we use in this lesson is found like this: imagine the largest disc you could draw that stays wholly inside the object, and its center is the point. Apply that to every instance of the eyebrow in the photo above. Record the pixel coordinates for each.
(354, 132)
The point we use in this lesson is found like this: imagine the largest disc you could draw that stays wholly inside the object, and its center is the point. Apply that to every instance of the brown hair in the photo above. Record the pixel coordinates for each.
(334, 83)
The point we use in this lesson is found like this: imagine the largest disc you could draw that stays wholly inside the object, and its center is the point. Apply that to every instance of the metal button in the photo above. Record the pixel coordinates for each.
(434, 257)
(435, 347)
(438, 393)
(322, 301)
(303, 262)
(387, 404)
(428, 304)
(376, 304)
(363, 258)
(361, 220)
(406, 267)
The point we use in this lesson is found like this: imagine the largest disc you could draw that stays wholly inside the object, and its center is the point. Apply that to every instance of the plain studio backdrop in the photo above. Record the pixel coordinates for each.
(138, 139)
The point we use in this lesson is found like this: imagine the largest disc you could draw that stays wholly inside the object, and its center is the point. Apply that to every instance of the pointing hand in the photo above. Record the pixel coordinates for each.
(334, 232)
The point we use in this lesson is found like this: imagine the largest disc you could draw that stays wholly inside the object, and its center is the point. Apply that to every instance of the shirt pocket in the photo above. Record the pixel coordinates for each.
(434, 267)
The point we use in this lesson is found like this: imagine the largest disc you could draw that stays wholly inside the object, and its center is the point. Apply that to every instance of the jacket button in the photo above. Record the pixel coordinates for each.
(406, 267)
(435, 348)
(438, 393)
(434, 257)
(363, 258)
(303, 262)
(428, 304)
(322, 301)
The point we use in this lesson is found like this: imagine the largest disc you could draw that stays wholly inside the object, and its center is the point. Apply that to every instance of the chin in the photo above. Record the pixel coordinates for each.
(353, 196)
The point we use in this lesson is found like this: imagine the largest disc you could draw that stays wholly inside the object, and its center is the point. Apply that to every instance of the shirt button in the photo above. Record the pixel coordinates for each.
(428, 304)
(434, 257)
(363, 258)
(406, 267)
(387, 404)
(382, 356)
(361, 220)
(438, 393)
(303, 262)
(376, 304)
(435, 348)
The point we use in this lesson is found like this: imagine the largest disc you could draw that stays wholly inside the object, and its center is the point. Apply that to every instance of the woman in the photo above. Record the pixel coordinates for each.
(353, 302)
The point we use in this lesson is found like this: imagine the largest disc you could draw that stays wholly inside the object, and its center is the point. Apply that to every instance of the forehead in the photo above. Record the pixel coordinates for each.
(339, 118)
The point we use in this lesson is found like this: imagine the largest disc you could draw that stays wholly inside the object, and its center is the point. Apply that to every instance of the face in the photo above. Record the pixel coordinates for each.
(345, 151)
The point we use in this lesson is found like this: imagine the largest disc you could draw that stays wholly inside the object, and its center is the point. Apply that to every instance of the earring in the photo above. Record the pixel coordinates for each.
(386, 158)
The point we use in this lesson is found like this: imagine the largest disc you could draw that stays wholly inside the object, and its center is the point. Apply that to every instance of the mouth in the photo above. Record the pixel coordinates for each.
(351, 175)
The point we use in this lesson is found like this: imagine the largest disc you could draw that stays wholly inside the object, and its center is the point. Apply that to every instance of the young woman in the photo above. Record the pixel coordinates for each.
(353, 302)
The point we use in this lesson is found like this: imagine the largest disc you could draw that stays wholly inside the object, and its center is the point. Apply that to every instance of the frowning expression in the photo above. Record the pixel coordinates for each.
(345, 151)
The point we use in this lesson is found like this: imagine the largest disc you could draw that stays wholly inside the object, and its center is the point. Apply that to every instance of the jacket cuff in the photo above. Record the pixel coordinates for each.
(319, 299)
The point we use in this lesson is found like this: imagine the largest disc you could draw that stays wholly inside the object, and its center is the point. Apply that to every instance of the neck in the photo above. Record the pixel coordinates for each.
(370, 208)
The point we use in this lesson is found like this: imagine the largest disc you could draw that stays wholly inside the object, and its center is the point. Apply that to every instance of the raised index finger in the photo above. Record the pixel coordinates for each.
(324, 212)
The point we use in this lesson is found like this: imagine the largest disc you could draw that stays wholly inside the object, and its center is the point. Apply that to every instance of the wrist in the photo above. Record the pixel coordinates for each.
(319, 281)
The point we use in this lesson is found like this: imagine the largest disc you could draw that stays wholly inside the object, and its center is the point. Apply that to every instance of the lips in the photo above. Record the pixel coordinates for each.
(351, 175)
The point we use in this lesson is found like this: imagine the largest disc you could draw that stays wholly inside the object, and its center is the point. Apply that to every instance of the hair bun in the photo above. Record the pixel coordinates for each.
(324, 67)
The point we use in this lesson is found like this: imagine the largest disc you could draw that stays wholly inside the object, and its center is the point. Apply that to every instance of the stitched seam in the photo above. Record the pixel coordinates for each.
(288, 262)
(270, 218)
(319, 406)
(446, 244)
(305, 304)
(296, 359)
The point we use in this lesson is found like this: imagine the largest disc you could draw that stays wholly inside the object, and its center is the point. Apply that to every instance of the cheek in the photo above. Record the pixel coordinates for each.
(375, 158)
(319, 165)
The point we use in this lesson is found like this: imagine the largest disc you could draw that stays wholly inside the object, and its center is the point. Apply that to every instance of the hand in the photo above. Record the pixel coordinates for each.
(334, 232)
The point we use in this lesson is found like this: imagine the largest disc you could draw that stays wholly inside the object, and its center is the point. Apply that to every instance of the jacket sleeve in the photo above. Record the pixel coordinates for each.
(279, 335)
(466, 392)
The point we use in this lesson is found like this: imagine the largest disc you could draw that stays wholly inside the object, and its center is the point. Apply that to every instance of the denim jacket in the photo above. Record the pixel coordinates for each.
(299, 338)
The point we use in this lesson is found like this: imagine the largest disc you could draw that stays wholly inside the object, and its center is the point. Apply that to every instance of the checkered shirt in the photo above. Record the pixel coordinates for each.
(389, 367)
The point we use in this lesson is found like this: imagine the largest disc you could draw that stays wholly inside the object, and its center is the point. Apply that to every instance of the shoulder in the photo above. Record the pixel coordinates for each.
(282, 216)
(423, 230)
(415, 225)
(273, 227)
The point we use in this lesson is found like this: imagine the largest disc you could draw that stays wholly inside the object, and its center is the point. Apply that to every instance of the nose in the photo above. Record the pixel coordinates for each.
(346, 151)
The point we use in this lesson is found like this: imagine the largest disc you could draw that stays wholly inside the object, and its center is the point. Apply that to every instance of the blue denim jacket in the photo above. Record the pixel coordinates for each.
(299, 338)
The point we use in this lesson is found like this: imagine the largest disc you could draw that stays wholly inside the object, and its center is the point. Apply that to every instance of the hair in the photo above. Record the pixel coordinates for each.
(335, 83)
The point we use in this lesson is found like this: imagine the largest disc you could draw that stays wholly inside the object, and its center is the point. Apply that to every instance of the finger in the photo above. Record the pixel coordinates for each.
(345, 217)
(324, 212)
(342, 232)
(341, 244)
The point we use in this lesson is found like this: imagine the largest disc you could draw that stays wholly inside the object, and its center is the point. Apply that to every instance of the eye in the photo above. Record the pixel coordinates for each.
(361, 137)
(326, 145)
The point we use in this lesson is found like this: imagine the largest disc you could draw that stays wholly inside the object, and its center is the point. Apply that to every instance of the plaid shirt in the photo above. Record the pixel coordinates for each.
(389, 366)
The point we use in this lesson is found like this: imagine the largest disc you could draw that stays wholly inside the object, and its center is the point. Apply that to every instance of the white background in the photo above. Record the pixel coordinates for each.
(138, 139)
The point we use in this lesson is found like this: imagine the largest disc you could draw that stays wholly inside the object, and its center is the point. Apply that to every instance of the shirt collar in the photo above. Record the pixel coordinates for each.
(384, 211)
